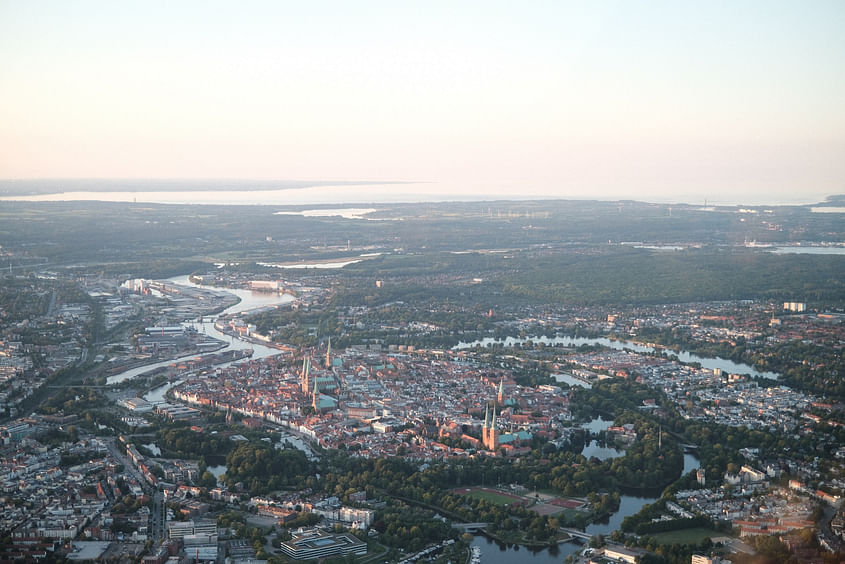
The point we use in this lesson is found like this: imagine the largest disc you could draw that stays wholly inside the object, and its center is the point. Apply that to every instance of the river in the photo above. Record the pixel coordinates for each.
(809, 250)
(250, 300)
(711, 363)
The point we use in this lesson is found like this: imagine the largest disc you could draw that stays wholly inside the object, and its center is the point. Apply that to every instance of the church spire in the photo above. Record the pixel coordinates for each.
(315, 399)
(306, 369)
(329, 354)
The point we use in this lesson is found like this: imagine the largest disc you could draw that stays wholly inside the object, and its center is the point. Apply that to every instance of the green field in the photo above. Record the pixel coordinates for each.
(492, 497)
(686, 536)
(569, 515)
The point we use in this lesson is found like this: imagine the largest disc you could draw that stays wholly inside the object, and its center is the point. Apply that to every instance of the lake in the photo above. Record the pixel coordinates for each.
(710, 363)
(594, 448)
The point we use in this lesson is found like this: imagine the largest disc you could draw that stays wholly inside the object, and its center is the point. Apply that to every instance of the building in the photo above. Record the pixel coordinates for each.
(265, 285)
(181, 529)
(622, 554)
(796, 307)
(357, 518)
(700, 559)
(315, 543)
(201, 547)
(138, 405)
(489, 433)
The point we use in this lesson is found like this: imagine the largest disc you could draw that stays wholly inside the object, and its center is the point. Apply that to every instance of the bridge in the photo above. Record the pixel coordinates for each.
(469, 527)
(60, 386)
(576, 533)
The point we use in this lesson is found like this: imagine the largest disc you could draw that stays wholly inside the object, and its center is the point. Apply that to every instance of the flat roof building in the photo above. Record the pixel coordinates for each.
(315, 543)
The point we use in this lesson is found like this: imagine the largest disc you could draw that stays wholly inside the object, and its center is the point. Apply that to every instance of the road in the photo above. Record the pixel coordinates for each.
(825, 531)
(158, 521)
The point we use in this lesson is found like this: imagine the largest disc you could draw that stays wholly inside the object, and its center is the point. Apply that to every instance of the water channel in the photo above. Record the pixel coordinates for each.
(249, 301)
(711, 363)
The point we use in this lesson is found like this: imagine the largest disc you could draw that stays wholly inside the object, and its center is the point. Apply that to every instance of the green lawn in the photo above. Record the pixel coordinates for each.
(686, 536)
(569, 515)
(492, 497)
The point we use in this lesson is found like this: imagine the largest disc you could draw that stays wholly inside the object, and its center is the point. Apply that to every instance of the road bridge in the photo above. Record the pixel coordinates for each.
(576, 533)
(469, 527)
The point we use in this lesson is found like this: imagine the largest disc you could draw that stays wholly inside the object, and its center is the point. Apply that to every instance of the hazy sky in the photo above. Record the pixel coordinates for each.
(619, 99)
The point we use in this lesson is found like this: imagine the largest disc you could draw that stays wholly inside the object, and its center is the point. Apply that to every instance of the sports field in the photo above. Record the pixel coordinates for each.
(493, 496)
(546, 505)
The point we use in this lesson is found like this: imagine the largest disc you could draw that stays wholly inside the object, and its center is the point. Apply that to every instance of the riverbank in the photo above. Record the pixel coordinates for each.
(141, 363)
(685, 357)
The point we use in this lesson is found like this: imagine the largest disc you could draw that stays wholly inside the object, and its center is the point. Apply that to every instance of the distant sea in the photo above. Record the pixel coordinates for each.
(304, 192)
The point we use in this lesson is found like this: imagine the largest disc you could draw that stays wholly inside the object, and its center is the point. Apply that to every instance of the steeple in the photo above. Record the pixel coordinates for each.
(489, 434)
(315, 398)
(306, 372)
(329, 354)
(501, 397)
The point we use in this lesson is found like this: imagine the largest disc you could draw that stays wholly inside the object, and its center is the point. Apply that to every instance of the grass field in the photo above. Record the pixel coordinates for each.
(686, 536)
(569, 515)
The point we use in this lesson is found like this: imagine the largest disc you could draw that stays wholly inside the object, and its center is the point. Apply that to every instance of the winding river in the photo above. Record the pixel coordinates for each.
(250, 300)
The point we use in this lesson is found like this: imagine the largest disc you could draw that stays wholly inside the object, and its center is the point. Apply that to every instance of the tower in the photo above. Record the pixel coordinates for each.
(315, 398)
(500, 398)
(490, 434)
(329, 354)
(306, 375)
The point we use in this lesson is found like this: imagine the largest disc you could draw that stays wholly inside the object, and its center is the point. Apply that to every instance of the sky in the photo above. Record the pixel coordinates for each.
(649, 99)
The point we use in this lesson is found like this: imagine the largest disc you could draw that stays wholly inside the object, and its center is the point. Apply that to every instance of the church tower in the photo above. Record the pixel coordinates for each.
(490, 434)
(329, 354)
(500, 398)
(306, 375)
(315, 398)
